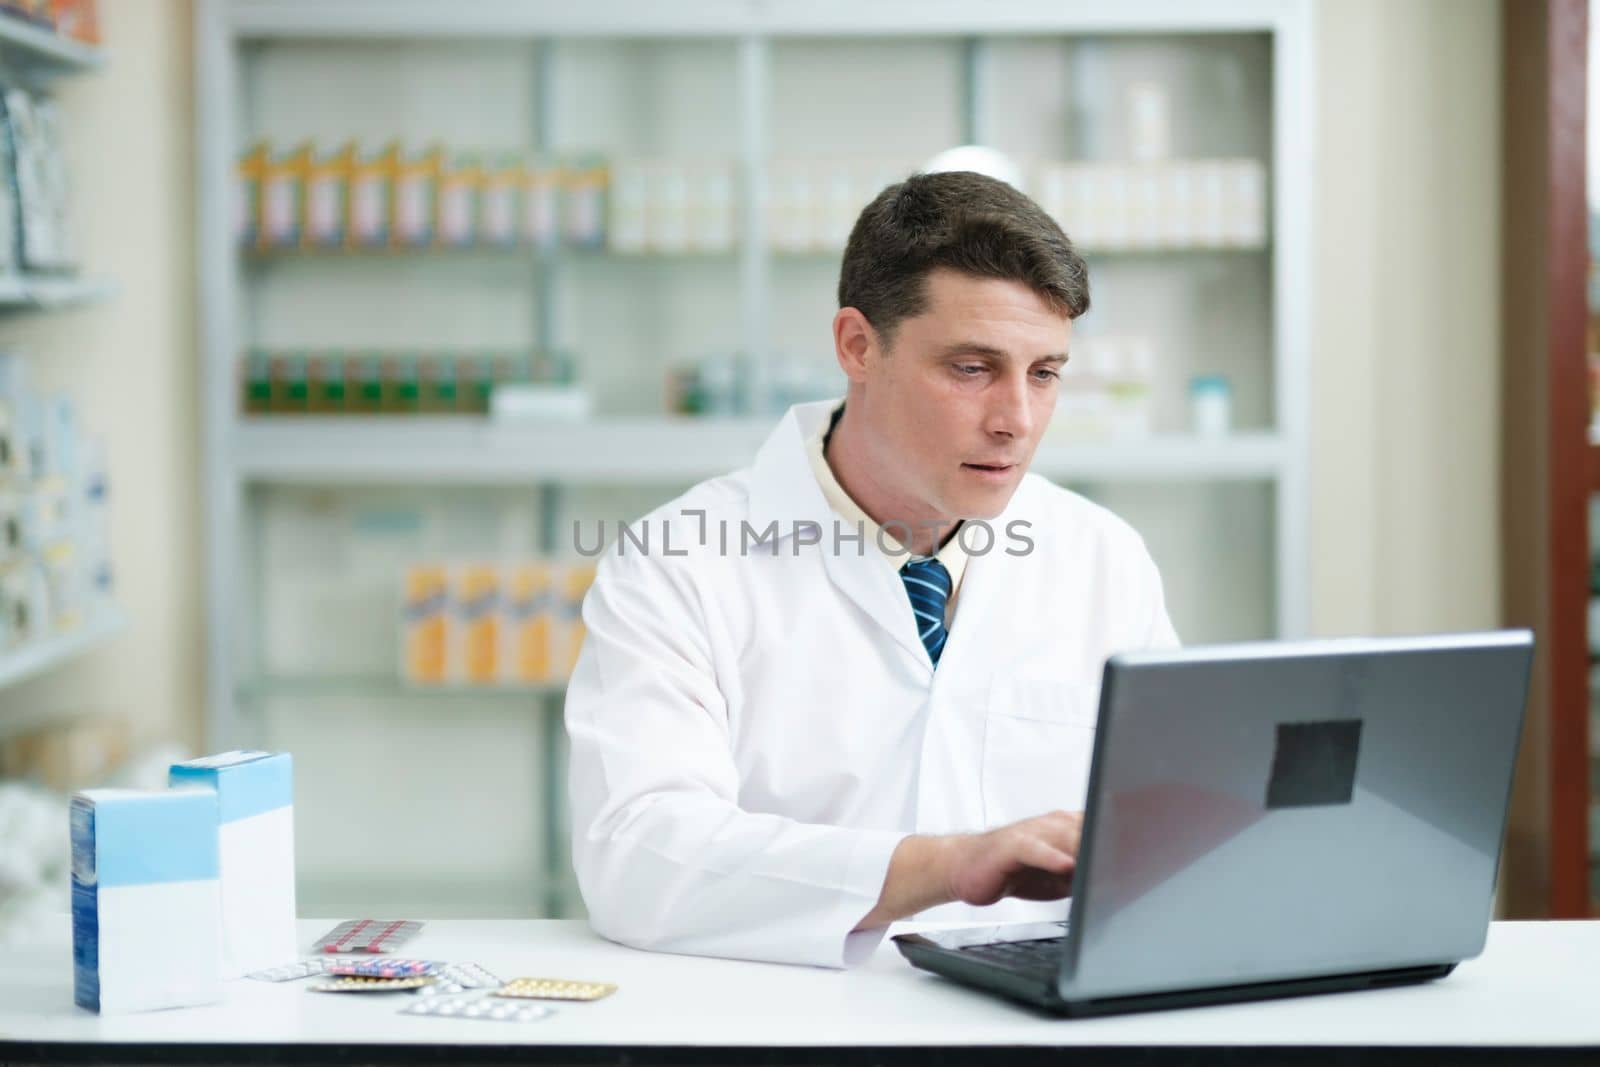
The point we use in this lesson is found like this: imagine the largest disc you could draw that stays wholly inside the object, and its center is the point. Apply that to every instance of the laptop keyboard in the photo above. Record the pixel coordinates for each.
(1040, 958)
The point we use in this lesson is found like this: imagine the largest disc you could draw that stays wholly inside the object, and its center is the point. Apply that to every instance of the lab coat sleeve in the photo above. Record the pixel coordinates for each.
(665, 857)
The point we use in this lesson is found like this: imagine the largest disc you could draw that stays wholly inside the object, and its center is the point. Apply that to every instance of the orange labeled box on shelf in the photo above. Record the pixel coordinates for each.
(475, 624)
(572, 584)
(530, 592)
(424, 626)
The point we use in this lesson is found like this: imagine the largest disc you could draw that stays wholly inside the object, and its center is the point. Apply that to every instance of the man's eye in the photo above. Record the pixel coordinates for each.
(1046, 374)
(970, 369)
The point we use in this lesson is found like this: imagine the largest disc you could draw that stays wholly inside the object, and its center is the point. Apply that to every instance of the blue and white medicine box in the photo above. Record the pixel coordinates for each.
(146, 900)
(256, 795)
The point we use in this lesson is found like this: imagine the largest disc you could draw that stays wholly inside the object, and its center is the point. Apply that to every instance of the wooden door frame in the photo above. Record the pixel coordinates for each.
(1546, 458)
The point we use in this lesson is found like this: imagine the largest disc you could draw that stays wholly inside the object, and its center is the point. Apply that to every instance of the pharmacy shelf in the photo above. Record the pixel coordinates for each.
(51, 652)
(720, 18)
(259, 257)
(1177, 458)
(36, 49)
(44, 293)
(651, 451)
(441, 253)
(391, 690)
(463, 450)
(1180, 253)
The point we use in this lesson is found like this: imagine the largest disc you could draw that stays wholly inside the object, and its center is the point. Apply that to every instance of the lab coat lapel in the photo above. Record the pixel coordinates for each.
(981, 604)
(783, 488)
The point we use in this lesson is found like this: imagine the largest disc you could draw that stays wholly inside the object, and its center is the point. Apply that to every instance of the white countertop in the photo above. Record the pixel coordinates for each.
(1537, 984)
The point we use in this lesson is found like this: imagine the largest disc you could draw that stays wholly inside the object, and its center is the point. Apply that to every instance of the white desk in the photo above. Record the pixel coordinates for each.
(1533, 995)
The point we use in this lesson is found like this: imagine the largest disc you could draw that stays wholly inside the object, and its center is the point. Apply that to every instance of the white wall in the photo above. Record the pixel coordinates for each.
(131, 364)
(1405, 422)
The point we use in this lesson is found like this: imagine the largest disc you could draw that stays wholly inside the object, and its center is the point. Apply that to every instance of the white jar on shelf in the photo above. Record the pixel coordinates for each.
(1049, 190)
(666, 218)
(1182, 225)
(1081, 209)
(1211, 405)
(1211, 203)
(711, 220)
(1130, 380)
(1149, 122)
(790, 208)
(1144, 206)
(838, 206)
(1112, 207)
(629, 204)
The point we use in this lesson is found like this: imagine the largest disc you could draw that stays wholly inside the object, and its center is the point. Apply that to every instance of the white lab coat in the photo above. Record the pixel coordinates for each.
(752, 733)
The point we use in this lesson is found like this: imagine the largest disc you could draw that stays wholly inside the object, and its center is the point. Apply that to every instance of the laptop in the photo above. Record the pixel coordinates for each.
(1272, 819)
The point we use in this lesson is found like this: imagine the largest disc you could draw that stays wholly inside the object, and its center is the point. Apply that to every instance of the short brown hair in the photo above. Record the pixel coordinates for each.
(964, 221)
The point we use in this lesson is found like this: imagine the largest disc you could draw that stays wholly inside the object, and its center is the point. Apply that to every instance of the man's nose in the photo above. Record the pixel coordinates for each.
(1011, 412)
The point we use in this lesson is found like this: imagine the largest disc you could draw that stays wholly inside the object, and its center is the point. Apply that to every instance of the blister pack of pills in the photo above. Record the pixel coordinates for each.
(371, 985)
(483, 1008)
(453, 978)
(555, 989)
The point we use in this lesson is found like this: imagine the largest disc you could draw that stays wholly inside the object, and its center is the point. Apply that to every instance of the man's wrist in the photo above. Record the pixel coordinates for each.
(939, 859)
(945, 863)
(922, 871)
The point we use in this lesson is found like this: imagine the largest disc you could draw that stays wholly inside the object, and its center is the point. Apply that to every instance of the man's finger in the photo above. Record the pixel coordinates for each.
(1064, 830)
(1037, 852)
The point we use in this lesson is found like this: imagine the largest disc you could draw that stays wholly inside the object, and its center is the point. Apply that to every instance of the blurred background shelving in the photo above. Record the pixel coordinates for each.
(1333, 373)
(59, 607)
(55, 578)
(735, 143)
(42, 53)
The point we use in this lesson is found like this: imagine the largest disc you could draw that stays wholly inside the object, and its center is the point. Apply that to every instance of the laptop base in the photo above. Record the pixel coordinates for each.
(1028, 989)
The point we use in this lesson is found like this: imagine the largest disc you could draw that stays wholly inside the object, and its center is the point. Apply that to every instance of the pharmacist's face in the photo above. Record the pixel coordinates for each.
(959, 401)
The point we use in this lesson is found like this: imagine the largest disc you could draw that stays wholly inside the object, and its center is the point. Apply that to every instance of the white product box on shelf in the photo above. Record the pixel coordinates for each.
(1105, 390)
(711, 208)
(1171, 204)
(630, 196)
(536, 402)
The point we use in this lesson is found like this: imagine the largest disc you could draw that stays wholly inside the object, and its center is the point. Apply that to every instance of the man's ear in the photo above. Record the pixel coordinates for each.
(855, 343)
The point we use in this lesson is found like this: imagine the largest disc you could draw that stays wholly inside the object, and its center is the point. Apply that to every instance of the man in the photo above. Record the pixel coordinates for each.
(786, 732)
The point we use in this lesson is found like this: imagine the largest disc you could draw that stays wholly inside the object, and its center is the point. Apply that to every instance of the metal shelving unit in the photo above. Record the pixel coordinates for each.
(42, 655)
(38, 56)
(244, 455)
(43, 53)
(46, 293)
(242, 452)
(422, 450)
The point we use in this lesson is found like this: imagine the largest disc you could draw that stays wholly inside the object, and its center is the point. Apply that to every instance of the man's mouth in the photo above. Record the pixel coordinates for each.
(992, 468)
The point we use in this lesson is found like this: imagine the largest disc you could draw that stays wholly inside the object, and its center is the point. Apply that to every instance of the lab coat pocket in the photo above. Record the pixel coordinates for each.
(1038, 737)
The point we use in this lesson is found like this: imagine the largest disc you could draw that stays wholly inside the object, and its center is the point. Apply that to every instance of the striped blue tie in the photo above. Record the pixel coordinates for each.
(928, 585)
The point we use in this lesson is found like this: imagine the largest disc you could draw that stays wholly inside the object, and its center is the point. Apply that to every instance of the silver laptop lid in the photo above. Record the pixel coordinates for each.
(1275, 811)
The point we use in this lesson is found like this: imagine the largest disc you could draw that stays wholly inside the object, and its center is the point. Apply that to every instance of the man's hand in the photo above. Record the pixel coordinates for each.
(1033, 859)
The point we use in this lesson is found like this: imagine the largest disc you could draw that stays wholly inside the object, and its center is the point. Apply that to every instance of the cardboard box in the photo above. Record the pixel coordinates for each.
(530, 593)
(146, 900)
(255, 792)
(425, 626)
(475, 624)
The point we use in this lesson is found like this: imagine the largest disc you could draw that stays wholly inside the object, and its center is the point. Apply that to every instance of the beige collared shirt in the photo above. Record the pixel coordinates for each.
(951, 554)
